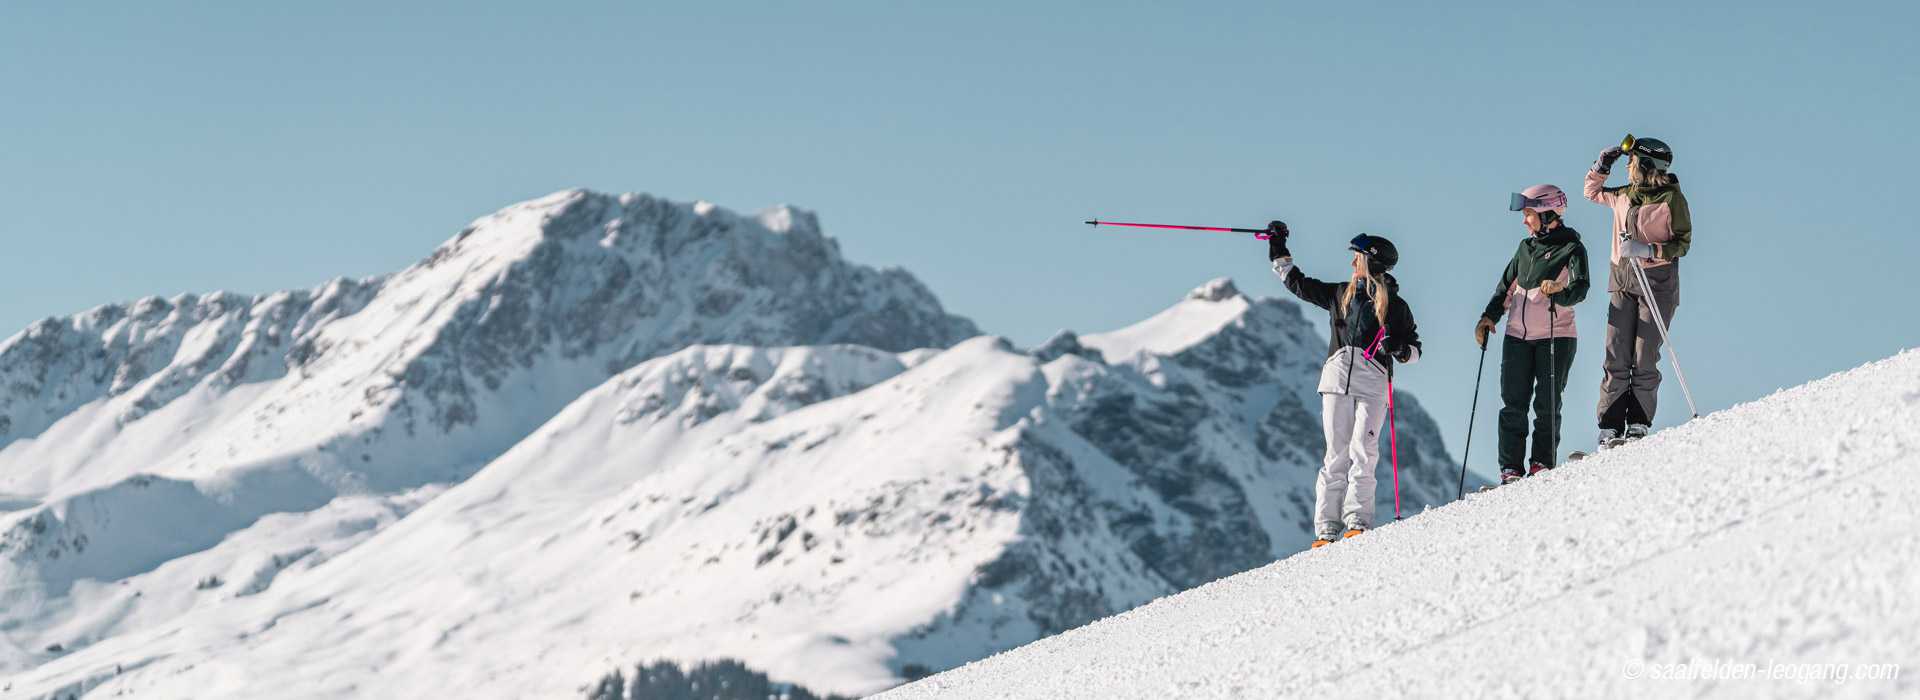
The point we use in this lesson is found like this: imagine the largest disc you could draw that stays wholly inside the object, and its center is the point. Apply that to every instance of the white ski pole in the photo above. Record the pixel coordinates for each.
(1673, 352)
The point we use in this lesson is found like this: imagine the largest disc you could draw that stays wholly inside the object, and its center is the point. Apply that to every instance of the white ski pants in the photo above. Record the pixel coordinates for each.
(1344, 491)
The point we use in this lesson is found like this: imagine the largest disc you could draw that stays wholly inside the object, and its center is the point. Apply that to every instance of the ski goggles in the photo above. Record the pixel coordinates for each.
(1362, 244)
(1517, 202)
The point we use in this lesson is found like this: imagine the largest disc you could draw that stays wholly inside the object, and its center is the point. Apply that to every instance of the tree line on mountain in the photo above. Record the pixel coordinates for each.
(724, 679)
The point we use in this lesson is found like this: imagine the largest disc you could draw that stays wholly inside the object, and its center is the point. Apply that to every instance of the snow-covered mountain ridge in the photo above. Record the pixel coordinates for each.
(1779, 537)
(596, 428)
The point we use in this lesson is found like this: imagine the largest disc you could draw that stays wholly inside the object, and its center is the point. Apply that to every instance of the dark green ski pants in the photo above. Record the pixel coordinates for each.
(1524, 368)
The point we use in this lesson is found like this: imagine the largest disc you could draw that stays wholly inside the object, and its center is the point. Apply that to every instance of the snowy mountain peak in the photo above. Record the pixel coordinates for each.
(785, 219)
(1217, 289)
(590, 409)
(1201, 314)
(212, 416)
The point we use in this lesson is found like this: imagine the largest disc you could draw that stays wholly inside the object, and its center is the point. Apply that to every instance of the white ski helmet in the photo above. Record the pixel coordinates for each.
(1540, 198)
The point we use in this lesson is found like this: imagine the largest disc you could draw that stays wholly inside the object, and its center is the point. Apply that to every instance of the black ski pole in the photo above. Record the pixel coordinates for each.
(1471, 414)
(1553, 390)
(1259, 233)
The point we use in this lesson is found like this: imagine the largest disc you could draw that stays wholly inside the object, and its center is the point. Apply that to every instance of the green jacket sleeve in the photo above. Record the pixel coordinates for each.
(1578, 279)
(1682, 229)
(1498, 304)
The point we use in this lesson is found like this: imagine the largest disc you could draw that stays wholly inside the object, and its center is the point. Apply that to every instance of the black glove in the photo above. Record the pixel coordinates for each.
(1277, 240)
(1605, 164)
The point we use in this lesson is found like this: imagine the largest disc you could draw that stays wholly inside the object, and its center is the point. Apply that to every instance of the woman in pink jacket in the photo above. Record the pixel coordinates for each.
(1652, 230)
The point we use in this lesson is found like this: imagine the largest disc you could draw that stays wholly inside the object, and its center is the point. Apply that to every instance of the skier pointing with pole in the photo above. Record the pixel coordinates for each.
(1652, 230)
(1545, 279)
(1370, 328)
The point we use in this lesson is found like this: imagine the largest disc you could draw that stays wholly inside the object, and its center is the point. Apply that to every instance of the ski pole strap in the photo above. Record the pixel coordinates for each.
(1378, 338)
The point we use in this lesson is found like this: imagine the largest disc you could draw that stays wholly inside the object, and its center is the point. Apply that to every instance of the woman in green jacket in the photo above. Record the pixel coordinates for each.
(1545, 278)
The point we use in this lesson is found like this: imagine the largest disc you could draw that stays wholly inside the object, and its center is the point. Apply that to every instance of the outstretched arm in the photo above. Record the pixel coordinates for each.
(1309, 290)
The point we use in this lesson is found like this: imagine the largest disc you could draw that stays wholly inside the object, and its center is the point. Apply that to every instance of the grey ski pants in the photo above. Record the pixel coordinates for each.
(1633, 343)
(1344, 492)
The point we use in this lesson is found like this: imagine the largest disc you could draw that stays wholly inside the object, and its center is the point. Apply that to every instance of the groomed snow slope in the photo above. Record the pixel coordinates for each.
(1785, 530)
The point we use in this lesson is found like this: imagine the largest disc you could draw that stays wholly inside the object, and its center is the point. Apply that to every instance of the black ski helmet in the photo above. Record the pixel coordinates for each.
(1655, 150)
(1381, 255)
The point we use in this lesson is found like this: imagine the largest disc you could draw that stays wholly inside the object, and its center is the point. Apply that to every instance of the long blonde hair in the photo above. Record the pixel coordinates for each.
(1380, 300)
(1643, 172)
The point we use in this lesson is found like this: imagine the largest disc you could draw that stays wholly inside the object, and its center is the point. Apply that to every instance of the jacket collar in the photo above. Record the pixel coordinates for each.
(1557, 236)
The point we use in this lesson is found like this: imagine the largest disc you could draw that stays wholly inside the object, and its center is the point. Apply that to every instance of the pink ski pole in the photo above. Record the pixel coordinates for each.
(1393, 438)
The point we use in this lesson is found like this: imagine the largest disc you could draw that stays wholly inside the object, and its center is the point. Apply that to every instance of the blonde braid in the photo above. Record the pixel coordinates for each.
(1380, 300)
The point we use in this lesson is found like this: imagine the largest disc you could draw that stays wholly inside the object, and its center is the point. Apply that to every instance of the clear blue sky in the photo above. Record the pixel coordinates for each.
(170, 147)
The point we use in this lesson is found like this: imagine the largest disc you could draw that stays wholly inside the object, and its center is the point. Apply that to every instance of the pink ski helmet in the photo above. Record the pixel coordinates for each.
(1539, 198)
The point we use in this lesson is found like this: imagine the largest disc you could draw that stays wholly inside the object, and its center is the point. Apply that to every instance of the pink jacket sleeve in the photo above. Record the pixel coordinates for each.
(1596, 189)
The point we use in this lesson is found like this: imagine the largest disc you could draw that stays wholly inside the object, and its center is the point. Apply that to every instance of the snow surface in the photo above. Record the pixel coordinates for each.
(1785, 530)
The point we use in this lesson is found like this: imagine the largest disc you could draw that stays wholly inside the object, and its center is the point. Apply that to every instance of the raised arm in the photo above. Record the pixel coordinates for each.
(1595, 187)
(1309, 290)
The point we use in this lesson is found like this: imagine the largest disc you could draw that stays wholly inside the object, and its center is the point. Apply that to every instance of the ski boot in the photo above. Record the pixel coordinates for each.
(1324, 536)
(1609, 439)
(1352, 532)
(1509, 475)
(1537, 467)
(1635, 431)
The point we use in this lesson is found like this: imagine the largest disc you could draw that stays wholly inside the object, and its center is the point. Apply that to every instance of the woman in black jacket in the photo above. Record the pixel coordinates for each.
(1370, 328)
